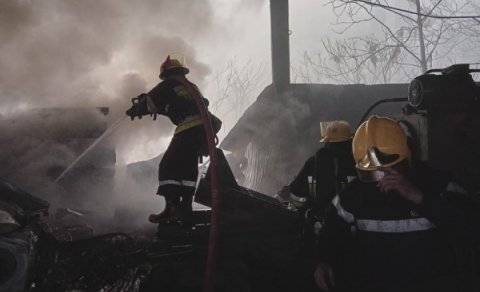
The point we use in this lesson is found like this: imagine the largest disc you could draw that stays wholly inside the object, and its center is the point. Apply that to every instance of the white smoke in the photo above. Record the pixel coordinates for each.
(87, 54)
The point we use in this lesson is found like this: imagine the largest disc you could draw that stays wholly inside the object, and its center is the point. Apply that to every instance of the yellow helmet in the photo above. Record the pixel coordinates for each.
(173, 62)
(379, 142)
(335, 131)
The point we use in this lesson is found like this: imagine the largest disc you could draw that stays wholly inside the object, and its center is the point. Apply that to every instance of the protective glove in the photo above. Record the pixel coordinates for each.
(136, 110)
(283, 195)
(133, 112)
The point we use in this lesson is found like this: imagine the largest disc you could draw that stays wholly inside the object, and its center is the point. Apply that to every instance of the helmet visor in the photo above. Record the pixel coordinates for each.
(375, 158)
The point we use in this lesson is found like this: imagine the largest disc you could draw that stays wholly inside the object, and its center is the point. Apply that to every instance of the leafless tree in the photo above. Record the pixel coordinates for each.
(354, 60)
(235, 86)
(411, 38)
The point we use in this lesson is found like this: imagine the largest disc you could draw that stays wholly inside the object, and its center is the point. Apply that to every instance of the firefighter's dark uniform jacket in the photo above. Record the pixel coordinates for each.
(323, 175)
(381, 242)
(178, 169)
(172, 98)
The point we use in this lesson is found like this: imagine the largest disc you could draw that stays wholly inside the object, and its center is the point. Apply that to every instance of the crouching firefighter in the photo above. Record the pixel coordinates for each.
(174, 97)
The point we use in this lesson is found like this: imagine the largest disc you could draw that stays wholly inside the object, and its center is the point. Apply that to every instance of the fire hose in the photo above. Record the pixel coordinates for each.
(209, 280)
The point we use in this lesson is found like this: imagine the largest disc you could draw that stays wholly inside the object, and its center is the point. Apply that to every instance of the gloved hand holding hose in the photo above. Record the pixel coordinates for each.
(138, 108)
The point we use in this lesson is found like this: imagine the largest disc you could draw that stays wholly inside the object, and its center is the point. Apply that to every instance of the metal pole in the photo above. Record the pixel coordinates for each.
(280, 44)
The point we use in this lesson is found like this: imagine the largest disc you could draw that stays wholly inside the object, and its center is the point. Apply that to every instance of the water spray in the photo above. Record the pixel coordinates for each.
(105, 134)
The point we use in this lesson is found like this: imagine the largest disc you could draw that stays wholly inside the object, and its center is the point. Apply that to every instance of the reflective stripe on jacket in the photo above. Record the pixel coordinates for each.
(383, 226)
(189, 122)
(377, 239)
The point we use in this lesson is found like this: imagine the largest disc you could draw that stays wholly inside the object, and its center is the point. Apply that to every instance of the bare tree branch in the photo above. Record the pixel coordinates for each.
(392, 34)
(235, 86)
(398, 50)
(476, 17)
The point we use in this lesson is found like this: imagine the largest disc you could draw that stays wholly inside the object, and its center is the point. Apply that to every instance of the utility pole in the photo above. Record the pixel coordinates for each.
(280, 35)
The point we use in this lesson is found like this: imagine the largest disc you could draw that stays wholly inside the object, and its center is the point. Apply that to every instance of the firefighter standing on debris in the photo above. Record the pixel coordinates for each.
(174, 97)
(390, 229)
(326, 173)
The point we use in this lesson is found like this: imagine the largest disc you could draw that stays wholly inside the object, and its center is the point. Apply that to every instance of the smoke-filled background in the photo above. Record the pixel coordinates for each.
(90, 54)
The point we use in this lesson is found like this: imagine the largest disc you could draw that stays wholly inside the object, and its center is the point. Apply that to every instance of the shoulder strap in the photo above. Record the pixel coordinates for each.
(191, 88)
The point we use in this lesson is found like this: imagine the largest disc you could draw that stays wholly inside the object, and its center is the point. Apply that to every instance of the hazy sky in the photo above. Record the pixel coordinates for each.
(102, 53)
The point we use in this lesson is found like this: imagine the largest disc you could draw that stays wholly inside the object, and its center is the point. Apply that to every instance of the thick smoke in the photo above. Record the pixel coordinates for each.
(87, 54)
(36, 144)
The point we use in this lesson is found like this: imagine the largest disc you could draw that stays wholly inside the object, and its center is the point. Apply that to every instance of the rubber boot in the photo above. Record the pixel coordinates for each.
(170, 213)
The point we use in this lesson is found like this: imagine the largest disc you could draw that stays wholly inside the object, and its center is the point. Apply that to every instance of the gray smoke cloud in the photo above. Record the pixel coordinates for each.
(87, 54)
(53, 52)
(36, 144)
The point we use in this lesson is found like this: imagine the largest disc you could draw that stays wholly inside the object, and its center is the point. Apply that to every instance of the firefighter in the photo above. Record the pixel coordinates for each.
(322, 176)
(174, 97)
(326, 173)
(389, 230)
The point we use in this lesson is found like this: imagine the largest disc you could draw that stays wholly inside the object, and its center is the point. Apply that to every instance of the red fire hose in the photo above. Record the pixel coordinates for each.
(209, 280)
